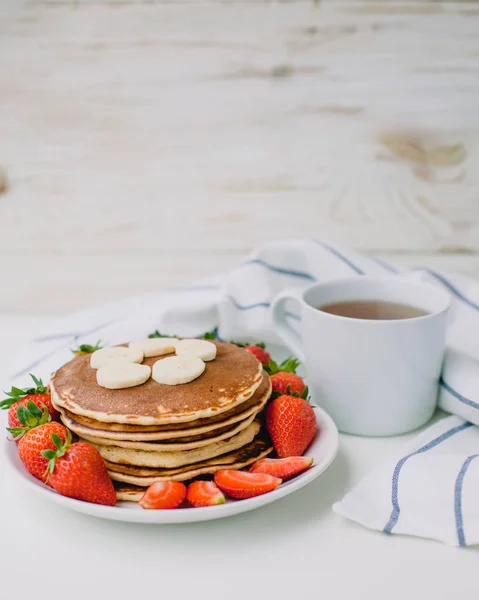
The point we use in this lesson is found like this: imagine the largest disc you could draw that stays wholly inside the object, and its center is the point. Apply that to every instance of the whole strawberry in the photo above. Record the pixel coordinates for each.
(39, 395)
(287, 383)
(78, 471)
(291, 423)
(284, 379)
(35, 441)
(259, 351)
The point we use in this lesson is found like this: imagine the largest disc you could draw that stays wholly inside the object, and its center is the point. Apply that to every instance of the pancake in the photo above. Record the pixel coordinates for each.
(190, 432)
(258, 448)
(128, 493)
(228, 381)
(177, 458)
(169, 446)
(258, 445)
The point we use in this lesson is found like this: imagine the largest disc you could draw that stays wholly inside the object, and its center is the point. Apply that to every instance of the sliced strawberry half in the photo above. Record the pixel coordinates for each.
(285, 468)
(204, 493)
(164, 495)
(241, 484)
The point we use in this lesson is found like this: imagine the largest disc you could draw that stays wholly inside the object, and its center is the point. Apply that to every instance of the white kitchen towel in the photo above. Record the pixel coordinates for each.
(431, 489)
(237, 306)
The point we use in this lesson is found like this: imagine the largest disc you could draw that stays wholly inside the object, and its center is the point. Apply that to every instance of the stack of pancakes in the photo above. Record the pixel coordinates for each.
(155, 432)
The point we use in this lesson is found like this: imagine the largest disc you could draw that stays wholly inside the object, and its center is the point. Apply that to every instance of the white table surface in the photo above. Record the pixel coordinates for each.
(294, 548)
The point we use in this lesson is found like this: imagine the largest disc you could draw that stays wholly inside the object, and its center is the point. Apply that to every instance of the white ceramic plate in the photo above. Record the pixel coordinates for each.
(324, 449)
(133, 318)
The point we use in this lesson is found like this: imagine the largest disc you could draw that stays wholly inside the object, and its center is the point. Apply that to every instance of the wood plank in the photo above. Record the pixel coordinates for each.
(146, 125)
(164, 142)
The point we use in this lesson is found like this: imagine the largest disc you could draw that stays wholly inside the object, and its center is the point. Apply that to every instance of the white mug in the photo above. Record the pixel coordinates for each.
(374, 377)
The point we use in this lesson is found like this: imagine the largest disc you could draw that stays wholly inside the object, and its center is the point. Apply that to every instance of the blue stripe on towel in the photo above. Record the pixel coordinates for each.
(260, 305)
(382, 263)
(248, 306)
(340, 256)
(461, 538)
(59, 336)
(281, 270)
(451, 288)
(393, 519)
(457, 395)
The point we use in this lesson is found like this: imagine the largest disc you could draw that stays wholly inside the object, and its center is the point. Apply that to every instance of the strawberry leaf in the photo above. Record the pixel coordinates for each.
(239, 344)
(87, 348)
(40, 387)
(289, 365)
(53, 455)
(16, 394)
(210, 335)
(30, 416)
(17, 432)
(34, 409)
(157, 334)
(57, 440)
(305, 395)
(22, 415)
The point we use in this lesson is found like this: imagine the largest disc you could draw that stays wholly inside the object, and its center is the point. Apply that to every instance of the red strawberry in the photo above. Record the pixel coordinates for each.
(35, 441)
(164, 495)
(39, 395)
(287, 383)
(285, 468)
(240, 484)
(78, 471)
(259, 351)
(284, 379)
(204, 493)
(291, 423)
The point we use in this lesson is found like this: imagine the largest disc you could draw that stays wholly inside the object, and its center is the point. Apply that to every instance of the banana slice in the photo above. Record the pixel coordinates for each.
(200, 348)
(103, 356)
(154, 346)
(119, 374)
(174, 370)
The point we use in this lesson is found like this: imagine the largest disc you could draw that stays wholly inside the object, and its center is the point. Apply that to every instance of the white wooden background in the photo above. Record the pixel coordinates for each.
(151, 144)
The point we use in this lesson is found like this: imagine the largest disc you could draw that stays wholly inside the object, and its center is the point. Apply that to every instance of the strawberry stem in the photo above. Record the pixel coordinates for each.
(52, 455)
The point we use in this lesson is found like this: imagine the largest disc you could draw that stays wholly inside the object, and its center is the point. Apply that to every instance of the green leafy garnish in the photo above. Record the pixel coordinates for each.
(87, 348)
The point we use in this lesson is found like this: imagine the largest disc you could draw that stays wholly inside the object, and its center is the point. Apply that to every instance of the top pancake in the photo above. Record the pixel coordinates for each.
(229, 380)
(199, 428)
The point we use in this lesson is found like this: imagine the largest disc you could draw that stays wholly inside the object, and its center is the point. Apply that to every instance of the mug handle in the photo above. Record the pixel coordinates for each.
(290, 337)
